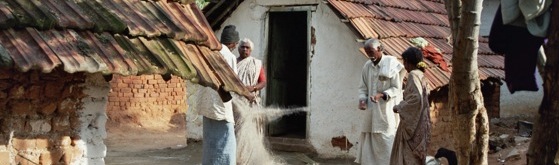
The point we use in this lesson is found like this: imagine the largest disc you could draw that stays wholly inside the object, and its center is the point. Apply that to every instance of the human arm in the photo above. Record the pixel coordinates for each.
(411, 108)
(412, 96)
(363, 89)
(260, 83)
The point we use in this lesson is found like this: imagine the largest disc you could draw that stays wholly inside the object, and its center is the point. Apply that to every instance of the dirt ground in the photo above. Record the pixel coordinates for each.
(166, 144)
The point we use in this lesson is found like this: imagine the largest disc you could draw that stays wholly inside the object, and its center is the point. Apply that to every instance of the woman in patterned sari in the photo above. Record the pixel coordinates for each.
(413, 134)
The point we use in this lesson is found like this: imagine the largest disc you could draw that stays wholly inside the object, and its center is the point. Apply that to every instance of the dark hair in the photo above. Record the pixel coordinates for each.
(229, 35)
(414, 56)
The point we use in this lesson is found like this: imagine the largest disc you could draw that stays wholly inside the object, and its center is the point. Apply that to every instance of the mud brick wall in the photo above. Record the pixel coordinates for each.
(441, 131)
(142, 99)
(39, 121)
(491, 90)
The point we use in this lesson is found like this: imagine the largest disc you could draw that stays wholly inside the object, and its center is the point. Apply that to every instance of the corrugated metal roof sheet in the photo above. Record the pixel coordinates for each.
(396, 22)
(127, 37)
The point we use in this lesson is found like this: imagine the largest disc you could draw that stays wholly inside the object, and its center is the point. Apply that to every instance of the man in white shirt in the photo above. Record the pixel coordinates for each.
(219, 142)
(380, 89)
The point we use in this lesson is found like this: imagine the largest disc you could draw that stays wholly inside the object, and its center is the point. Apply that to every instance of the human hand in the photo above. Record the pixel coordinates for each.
(362, 105)
(251, 88)
(251, 98)
(376, 97)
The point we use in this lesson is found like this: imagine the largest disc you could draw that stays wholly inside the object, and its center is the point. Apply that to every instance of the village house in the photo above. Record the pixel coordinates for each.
(58, 57)
(311, 50)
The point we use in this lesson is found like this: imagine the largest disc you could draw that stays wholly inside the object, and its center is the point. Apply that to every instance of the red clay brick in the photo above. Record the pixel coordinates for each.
(51, 157)
(125, 90)
(22, 144)
(128, 94)
(152, 82)
(121, 85)
(3, 95)
(53, 89)
(67, 106)
(5, 74)
(16, 91)
(5, 84)
(127, 80)
(148, 77)
(21, 108)
(67, 91)
(138, 81)
(20, 77)
(42, 143)
(34, 92)
(49, 108)
(34, 76)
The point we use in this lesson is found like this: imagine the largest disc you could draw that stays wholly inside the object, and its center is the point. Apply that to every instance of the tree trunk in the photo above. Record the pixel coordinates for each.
(544, 145)
(470, 122)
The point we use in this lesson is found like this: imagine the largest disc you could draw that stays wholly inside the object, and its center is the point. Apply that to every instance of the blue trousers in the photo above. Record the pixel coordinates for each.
(219, 143)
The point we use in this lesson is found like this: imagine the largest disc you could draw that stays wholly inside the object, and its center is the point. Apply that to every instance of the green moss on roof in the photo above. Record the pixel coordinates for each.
(168, 54)
(103, 18)
(5, 58)
(32, 13)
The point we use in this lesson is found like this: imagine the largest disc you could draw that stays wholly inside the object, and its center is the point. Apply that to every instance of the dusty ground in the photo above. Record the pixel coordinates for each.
(508, 126)
(166, 144)
(141, 147)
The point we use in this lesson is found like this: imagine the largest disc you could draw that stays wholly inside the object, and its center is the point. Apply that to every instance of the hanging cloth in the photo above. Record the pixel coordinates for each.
(521, 52)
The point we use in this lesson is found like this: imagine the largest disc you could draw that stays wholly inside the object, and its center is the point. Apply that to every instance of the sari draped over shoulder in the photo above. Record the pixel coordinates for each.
(248, 72)
(413, 134)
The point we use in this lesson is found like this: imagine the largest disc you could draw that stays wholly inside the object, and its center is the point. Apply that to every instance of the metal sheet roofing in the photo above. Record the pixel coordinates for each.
(127, 37)
(396, 22)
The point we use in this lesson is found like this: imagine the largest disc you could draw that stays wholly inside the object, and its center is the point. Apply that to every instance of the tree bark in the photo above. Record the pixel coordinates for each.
(470, 122)
(544, 145)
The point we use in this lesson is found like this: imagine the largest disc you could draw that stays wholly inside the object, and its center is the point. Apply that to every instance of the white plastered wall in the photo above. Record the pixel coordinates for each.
(92, 119)
(335, 69)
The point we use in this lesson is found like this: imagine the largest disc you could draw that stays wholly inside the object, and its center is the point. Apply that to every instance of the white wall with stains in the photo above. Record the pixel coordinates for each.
(92, 118)
(334, 67)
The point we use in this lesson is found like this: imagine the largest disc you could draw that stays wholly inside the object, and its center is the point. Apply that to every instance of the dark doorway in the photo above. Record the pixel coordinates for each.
(287, 70)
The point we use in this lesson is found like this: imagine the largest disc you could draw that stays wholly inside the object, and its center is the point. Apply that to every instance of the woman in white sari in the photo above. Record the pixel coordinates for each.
(250, 70)
(413, 134)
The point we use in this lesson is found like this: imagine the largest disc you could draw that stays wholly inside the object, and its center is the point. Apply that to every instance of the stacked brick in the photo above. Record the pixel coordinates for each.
(143, 99)
(491, 98)
(39, 122)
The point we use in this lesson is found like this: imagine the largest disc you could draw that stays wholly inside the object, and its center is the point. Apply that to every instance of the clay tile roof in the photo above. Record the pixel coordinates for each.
(396, 22)
(126, 37)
